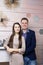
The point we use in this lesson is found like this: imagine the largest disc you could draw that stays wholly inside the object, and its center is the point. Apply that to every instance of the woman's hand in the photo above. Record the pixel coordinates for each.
(10, 50)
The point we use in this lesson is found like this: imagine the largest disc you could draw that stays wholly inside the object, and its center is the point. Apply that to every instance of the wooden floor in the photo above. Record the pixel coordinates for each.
(7, 63)
(4, 63)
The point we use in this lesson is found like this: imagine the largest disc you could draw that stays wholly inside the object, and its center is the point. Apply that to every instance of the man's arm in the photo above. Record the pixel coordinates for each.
(33, 43)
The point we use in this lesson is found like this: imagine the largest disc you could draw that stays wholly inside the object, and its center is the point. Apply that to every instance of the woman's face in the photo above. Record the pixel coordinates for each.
(17, 28)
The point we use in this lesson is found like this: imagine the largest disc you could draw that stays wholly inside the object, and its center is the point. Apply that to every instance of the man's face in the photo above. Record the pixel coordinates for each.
(24, 24)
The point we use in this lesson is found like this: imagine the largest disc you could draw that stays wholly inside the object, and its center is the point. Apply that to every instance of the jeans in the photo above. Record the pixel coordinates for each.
(27, 61)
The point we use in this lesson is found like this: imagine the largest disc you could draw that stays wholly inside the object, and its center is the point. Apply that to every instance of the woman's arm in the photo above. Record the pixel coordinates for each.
(10, 50)
(22, 49)
(5, 46)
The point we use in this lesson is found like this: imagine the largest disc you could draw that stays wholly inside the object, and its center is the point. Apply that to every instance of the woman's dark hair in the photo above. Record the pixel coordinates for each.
(10, 43)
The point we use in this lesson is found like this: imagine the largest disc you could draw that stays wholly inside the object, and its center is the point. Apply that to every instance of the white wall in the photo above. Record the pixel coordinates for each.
(33, 10)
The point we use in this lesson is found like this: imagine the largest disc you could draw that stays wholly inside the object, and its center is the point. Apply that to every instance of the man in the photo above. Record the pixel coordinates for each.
(30, 39)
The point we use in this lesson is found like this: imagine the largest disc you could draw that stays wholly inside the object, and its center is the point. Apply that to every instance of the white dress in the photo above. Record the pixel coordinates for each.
(17, 58)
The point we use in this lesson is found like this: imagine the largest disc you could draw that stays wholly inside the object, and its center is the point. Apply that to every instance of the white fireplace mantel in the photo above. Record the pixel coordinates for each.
(4, 56)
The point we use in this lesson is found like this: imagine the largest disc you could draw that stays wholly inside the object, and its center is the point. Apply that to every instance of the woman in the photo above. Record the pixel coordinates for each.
(16, 46)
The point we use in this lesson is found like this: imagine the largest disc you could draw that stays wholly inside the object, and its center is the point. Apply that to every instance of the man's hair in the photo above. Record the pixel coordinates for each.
(24, 19)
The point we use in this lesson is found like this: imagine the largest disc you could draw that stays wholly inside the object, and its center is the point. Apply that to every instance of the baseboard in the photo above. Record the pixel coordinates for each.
(4, 63)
